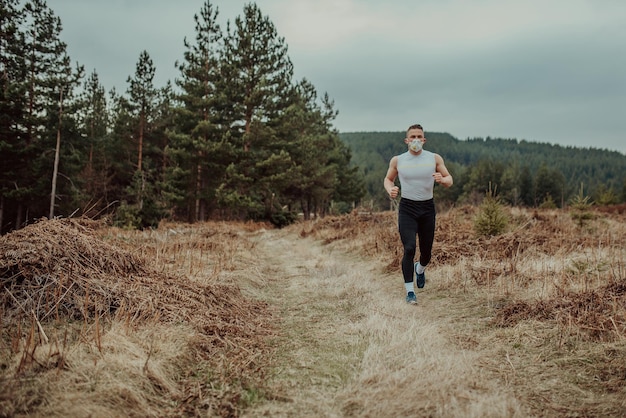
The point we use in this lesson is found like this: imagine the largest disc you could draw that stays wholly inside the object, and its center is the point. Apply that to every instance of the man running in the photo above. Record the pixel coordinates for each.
(418, 171)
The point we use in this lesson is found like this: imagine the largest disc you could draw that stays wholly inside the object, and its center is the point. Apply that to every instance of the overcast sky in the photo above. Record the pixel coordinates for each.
(542, 70)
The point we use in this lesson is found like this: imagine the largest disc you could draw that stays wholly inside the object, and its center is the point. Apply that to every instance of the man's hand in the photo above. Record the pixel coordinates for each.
(445, 181)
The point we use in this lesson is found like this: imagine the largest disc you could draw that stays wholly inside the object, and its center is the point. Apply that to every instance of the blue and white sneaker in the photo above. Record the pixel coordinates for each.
(420, 279)
(411, 299)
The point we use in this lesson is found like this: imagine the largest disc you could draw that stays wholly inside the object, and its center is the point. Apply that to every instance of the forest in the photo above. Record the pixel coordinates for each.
(519, 173)
(235, 136)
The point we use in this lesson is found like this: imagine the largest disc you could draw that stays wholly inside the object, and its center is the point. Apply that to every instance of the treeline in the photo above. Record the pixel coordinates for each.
(234, 137)
(521, 173)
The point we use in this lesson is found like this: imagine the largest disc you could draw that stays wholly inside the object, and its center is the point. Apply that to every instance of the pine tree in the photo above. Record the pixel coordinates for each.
(321, 171)
(580, 205)
(296, 133)
(46, 87)
(64, 82)
(199, 151)
(94, 125)
(480, 178)
(491, 219)
(259, 74)
(604, 195)
(135, 130)
(510, 184)
(12, 109)
(261, 71)
(527, 194)
(142, 102)
(549, 186)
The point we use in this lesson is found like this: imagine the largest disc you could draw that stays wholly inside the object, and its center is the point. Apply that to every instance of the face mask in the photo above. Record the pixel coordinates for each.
(415, 145)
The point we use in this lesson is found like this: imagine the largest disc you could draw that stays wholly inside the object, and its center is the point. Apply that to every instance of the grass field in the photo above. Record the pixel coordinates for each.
(240, 319)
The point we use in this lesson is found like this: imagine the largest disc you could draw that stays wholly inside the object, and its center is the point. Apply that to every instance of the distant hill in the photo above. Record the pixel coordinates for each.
(602, 172)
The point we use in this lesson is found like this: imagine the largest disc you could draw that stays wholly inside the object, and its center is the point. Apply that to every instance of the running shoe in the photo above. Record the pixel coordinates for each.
(420, 279)
(410, 298)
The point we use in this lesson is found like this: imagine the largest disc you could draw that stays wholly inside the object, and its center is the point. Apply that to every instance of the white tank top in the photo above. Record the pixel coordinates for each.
(416, 175)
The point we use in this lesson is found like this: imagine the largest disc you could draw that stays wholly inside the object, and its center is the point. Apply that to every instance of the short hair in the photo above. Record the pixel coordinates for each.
(416, 126)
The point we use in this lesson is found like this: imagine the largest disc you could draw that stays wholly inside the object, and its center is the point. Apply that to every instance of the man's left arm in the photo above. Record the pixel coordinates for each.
(442, 175)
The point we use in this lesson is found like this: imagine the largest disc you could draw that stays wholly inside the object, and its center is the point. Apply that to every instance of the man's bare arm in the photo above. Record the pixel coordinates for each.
(390, 177)
(442, 175)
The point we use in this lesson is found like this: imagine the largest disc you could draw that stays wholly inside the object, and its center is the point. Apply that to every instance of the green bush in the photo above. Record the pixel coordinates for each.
(580, 205)
(283, 218)
(491, 219)
(127, 217)
(548, 203)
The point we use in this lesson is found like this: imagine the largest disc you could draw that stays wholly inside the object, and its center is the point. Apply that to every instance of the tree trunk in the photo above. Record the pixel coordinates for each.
(196, 213)
(18, 216)
(57, 150)
(142, 122)
(141, 125)
(1, 213)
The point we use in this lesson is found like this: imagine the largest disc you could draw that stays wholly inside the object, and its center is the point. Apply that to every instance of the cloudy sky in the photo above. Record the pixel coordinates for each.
(541, 70)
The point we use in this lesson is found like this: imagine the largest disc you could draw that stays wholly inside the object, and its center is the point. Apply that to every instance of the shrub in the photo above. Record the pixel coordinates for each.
(491, 219)
(580, 205)
(548, 203)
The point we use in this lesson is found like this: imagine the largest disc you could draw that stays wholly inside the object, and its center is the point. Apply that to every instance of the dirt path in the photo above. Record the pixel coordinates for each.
(351, 346)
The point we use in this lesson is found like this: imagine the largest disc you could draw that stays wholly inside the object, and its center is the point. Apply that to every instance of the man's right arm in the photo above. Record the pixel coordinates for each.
(390, 178)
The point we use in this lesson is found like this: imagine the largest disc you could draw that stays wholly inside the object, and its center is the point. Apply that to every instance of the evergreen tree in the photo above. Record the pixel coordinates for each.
(261, 71)
(259, 74)
(526, 187)
(304, 134)
(64, 82)
(604, 195)
(12, 111)
(140, 142)
(95, 126)
(199, 150)
(46, 86)
(350, 187)
(120, 151)
(510, 184)
(579, 207)
(320, 172)
(142, 102)
(481, 177)
(549, 186)
(491, 219)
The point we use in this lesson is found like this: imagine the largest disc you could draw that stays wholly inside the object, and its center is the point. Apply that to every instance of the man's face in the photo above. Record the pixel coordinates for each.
(413, 134)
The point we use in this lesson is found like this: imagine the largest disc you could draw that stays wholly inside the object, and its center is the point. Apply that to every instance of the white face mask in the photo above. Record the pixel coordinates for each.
(415, 145)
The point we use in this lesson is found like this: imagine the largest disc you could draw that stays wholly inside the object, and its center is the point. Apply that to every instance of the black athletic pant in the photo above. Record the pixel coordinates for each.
(416, 218)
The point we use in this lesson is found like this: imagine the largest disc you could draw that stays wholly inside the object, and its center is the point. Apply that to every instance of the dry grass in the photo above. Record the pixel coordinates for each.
(541, 309)
(93, 314)
(231, 319)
